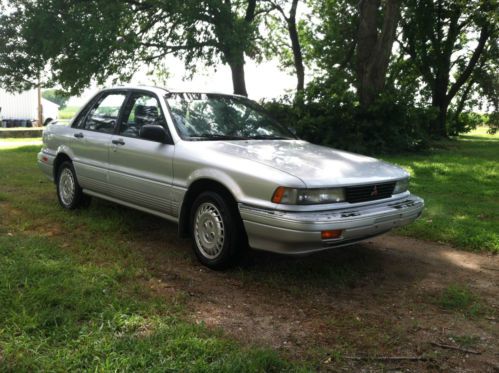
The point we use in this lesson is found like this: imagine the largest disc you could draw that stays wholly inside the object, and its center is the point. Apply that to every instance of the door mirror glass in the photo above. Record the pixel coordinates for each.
(154, 132)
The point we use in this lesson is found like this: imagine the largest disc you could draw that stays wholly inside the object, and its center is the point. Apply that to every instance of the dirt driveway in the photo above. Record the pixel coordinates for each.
(388, 304)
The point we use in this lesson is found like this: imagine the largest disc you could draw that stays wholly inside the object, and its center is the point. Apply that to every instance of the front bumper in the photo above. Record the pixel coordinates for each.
(300, 232)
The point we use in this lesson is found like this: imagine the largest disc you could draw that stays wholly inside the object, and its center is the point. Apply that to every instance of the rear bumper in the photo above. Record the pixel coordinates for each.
(300, 232)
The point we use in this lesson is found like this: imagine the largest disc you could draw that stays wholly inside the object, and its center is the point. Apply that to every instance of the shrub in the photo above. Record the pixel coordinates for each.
(465, 122)
(388, 126)
(493, 123)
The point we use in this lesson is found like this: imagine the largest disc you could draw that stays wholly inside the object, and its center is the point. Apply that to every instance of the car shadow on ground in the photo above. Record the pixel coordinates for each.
(381, 296)
(390, 261)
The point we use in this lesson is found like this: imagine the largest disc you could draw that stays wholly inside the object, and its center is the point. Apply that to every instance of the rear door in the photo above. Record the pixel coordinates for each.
(93, 132)
(141, 171)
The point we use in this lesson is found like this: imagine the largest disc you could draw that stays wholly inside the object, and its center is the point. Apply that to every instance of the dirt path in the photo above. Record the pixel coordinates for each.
(378, 298)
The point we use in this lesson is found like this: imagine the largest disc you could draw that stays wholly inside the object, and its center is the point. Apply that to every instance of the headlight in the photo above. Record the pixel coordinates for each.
(401, 186)
(294, 196)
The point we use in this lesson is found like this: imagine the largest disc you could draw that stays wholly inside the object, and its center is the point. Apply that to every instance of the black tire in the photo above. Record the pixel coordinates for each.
(211, 213)
(69, 192)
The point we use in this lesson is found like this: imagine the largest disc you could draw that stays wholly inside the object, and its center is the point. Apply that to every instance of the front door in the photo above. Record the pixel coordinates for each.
(92, 136)
(141, 171)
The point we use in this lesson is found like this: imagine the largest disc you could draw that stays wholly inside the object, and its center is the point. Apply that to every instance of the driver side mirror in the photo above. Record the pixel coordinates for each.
(154, 132)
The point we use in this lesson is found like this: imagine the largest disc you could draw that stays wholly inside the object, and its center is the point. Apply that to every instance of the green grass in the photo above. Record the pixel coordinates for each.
(459, 298)
(459, 181)
(466, 341)
(74, 291)
(58, 314)
(74, 294)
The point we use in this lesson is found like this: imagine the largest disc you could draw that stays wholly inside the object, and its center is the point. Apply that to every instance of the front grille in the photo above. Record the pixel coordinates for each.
(370, 192)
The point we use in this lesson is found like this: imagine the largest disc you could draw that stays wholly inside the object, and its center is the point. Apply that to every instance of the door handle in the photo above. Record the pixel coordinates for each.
(78, 135)
(118, 142)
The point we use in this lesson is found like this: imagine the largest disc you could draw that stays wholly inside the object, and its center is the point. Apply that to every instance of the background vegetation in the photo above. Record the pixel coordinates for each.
(372, 75)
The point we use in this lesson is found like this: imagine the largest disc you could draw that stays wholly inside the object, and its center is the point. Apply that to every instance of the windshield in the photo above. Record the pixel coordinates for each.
(200, 116)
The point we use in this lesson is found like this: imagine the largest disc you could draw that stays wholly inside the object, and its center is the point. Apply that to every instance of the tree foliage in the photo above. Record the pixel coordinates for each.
(388, 70)
(56, 96)
(446, 41)
(75, 42)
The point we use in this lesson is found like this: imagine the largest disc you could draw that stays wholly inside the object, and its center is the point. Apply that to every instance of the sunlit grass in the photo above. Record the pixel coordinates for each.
(459, 181)
(482, 132)
(11, 143)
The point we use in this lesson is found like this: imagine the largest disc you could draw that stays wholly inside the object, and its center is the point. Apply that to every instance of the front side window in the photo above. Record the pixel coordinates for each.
(141, 109)
(103, 116)
(200, 116)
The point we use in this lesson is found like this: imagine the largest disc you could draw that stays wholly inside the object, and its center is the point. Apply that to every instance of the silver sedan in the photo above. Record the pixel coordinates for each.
(228, 174)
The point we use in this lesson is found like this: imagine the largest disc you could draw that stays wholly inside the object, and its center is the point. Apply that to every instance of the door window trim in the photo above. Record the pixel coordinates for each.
(95, 101)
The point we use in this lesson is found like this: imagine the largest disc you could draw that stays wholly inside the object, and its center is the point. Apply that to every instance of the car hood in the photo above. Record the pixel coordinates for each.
(316, 166)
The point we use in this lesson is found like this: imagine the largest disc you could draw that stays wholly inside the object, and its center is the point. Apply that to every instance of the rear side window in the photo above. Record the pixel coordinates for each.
(103, 116)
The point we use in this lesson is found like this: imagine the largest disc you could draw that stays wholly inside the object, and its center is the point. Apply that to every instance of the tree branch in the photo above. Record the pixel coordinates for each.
(250, 11)
(484, 35)
(275, 6)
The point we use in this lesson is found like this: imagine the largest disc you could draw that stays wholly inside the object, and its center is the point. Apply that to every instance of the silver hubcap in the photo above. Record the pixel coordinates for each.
(66, 187)
(209, 230)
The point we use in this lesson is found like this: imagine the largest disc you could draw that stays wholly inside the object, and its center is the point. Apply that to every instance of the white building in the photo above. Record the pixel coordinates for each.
(21, 109)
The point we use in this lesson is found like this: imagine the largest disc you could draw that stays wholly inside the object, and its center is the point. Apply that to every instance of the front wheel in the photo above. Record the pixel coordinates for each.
(217, 232)
(69, 192)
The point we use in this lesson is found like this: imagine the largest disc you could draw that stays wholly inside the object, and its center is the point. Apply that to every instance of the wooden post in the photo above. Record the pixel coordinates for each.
(40, 107)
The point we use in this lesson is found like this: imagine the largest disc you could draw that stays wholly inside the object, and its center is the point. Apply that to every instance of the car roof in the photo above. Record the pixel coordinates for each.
(162, 90)
(153, 89)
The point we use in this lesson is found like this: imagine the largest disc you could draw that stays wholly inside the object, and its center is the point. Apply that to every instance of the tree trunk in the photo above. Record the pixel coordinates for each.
(373, 50)
(441, 130)
(367, 37)
(296, 48)
(439, 127)
(238, 79)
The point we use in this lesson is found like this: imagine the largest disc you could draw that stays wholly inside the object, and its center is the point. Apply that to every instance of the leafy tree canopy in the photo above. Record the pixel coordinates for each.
(56, 96)
(74, 42)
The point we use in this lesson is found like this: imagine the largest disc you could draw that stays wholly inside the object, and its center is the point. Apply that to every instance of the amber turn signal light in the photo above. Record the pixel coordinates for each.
(278, 194)
(327, 235)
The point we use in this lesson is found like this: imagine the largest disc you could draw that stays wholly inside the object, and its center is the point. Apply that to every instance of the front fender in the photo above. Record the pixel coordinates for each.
(218, 176)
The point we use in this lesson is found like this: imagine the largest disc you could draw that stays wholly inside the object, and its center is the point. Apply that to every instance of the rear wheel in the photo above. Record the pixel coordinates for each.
(69, 192)
(217, 232)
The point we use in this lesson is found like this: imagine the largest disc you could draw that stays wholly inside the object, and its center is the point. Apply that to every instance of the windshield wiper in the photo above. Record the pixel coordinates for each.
(210, 136)
(268, 137)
